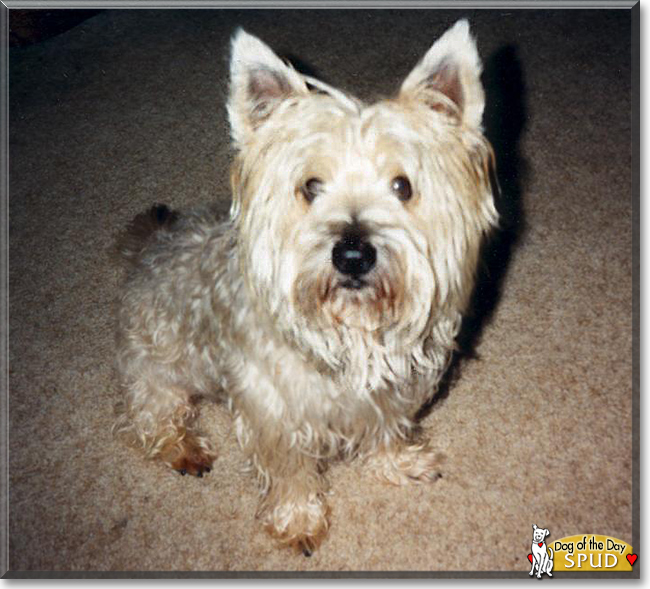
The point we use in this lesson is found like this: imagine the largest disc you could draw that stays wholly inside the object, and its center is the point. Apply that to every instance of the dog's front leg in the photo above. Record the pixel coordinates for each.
(533, 562)
(542, 564)
(293, 507)
(401, 463)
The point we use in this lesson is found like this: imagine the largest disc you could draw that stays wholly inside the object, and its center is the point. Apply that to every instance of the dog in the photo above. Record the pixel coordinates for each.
(542, 556)
(324, 310)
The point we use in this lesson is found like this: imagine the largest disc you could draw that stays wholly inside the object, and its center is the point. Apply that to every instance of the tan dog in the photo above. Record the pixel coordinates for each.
(325, 309)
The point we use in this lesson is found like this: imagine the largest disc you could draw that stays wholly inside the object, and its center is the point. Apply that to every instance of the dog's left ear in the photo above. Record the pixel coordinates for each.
(448, 76)
(547, 533)
(259, 82)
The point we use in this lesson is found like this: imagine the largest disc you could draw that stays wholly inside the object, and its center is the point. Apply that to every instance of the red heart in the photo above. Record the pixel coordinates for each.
(540, 544)
(530, 558)
(631, 558)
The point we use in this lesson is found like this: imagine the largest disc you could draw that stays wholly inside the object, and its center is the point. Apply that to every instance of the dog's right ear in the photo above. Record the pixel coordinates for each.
(534, 527)
(259, 82)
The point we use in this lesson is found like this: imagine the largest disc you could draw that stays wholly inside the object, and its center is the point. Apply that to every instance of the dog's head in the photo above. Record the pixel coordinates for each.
(539, 534)
(360, 217)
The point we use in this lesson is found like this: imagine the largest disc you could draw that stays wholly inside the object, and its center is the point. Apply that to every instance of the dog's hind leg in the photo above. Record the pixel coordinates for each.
(157, 417)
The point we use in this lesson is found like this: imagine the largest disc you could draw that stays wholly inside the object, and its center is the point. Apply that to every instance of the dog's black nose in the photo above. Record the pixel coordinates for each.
(353, 255)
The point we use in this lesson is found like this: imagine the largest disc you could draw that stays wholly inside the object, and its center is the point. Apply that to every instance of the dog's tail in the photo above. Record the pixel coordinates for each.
(131, 243)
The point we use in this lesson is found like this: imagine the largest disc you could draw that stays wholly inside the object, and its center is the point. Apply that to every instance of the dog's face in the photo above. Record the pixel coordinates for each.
(356, 217)
(539, 534)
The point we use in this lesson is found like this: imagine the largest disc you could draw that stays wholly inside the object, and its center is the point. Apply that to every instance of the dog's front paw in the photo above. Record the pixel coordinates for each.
(300, 523)
(406, 464)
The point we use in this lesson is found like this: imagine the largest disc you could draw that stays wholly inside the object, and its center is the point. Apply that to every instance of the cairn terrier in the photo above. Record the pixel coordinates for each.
(325, 309)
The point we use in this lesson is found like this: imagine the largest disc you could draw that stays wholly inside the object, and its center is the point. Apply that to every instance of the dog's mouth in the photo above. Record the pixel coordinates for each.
(354, 283)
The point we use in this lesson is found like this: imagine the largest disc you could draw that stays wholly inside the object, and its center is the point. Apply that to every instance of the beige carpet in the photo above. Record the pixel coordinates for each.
(128, 108)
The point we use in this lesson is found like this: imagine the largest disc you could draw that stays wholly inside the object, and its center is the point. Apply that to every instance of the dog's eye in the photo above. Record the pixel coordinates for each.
(311, 189)
(402, 188)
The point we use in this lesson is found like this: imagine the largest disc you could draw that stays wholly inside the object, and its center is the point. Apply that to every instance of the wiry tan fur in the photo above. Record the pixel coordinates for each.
(254, 309)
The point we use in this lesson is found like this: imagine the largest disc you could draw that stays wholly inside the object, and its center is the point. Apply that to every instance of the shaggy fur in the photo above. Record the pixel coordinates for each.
(325, 309)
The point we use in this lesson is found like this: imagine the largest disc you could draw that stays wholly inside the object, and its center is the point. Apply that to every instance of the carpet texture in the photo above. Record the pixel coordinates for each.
(127, 109)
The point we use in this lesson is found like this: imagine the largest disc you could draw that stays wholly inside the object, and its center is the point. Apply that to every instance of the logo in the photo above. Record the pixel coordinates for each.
(541, 558)
(580, 553)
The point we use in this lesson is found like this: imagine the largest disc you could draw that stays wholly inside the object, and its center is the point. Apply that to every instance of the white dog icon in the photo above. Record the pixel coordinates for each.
(542, 557)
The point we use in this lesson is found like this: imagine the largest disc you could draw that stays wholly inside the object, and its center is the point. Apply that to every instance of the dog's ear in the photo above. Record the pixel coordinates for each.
(259, 82)
(547, 532)
(448, 76)
(534, 526)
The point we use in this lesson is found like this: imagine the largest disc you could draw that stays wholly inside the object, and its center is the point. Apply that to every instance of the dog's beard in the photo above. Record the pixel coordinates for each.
(390, 299)
(371, 302)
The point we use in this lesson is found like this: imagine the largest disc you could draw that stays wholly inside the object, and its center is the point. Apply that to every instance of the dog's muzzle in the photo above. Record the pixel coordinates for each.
(354, 256)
